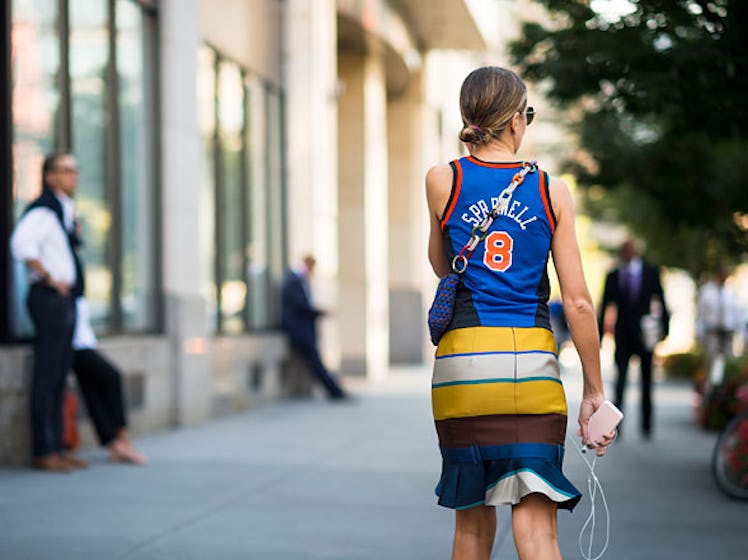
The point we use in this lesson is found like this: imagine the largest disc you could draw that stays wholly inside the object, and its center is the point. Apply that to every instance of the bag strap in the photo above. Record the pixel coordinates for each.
(479, 232)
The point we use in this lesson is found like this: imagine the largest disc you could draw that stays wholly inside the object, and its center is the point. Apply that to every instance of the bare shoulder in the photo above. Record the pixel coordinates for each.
(559, 187)
(438, 187)
(561, 198)
(439, 176)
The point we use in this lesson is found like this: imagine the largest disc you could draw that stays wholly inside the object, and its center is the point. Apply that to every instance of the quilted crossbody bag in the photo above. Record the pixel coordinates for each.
(442, 308)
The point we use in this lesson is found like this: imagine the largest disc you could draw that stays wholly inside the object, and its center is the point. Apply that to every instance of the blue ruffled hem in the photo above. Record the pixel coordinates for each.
(503, 481)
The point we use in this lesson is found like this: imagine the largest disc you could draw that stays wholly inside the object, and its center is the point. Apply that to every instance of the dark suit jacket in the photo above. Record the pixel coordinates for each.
(298, 316)
(628, 322)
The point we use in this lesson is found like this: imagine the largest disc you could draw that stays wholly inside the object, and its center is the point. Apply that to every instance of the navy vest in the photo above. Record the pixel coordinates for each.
(48, 200)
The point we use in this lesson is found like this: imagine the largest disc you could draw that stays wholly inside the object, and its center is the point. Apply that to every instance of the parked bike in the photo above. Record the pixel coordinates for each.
(730, 457)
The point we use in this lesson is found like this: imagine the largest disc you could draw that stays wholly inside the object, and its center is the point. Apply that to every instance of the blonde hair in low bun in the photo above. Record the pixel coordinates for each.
(489, 98)
(473, 134)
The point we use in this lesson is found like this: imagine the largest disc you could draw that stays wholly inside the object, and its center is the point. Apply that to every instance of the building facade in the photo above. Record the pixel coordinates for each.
(219, 141)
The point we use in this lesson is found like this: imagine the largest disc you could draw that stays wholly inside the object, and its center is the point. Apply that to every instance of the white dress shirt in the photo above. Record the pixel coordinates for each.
(717, 309)
(84, 336)
(68, 210)
(39, 235)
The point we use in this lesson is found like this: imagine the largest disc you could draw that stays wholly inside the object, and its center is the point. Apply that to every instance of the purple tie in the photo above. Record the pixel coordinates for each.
(631, 286)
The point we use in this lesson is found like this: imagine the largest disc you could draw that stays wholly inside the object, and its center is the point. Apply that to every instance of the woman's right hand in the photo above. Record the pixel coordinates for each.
(587, 408)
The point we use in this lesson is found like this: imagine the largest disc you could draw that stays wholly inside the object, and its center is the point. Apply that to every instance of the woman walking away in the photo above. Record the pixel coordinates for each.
(498, 402)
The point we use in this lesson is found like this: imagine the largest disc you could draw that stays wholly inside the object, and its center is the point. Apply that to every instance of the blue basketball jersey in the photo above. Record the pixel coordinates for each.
(506, 280)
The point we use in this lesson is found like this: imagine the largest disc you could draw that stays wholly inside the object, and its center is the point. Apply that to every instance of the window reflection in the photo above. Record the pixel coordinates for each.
(138, 291)
(113, 183)
(231, 120)
(89, 51)
(276, 255)
(258, 272)
(243, 201)
(35, 64)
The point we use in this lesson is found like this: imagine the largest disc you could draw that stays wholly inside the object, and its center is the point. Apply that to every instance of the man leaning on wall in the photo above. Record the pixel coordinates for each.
(45, 239)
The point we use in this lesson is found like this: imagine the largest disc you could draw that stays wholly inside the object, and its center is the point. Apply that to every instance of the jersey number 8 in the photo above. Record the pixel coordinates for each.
(498, 253)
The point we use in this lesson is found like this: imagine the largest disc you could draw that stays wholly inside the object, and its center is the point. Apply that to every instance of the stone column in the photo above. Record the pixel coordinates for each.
(311, 86)
(363, 213)
(181, 172)
(410, 139)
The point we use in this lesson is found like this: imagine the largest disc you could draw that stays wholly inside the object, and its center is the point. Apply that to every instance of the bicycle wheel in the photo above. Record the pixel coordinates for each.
(730, 458)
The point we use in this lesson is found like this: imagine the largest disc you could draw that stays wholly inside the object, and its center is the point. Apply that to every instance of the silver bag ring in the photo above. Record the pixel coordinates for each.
(459, 264)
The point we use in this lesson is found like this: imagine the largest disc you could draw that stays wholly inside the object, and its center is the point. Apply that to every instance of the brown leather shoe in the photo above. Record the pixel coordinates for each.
(75, 462)
(51, 463)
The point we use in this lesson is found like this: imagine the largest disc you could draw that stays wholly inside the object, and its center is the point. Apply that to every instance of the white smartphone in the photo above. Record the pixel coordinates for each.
(603, 421)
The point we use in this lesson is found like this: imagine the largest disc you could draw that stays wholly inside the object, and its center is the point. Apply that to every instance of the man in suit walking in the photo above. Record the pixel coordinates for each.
(633, 291)
(299, 321)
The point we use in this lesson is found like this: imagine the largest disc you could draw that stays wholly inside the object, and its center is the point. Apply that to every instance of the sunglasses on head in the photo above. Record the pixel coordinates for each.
(529, 114)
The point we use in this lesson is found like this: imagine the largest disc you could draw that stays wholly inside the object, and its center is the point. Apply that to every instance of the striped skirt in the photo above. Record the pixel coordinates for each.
(500, 413)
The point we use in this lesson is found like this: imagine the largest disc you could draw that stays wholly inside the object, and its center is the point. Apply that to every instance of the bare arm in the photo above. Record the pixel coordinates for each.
(578, 307)
(438, 188)
(603, 321)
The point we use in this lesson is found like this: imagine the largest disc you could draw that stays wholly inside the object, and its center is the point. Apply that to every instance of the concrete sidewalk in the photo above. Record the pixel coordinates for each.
(313, 480)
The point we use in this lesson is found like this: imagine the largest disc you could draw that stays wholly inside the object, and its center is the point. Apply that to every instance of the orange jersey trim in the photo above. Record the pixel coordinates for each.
(546, 203)
(455, 193)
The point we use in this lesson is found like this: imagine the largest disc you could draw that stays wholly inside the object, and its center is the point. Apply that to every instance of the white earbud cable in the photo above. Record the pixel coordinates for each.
(593, 486)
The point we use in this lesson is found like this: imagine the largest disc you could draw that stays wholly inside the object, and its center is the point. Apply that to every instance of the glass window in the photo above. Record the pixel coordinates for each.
(35, 61)
(276, 202)
(89, 54)
(136, 167)
(231, 123)
(259, 276)
(98, 104)
(241, 121)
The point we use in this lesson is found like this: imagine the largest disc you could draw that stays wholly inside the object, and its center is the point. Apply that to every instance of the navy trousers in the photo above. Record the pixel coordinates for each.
(53, 316)
(625, 349)
(311, 356)
(101, 386)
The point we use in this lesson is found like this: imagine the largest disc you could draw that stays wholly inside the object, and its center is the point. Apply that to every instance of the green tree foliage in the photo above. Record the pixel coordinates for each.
(658, 97)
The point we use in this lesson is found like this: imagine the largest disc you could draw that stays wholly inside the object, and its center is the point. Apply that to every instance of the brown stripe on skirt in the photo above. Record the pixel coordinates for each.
(502, 429)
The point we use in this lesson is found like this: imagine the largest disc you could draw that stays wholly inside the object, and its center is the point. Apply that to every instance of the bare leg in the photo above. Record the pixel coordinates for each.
(535, 528)
(475, 530)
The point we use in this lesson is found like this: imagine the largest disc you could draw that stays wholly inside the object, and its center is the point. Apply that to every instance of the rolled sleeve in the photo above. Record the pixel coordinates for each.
(26, 242)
